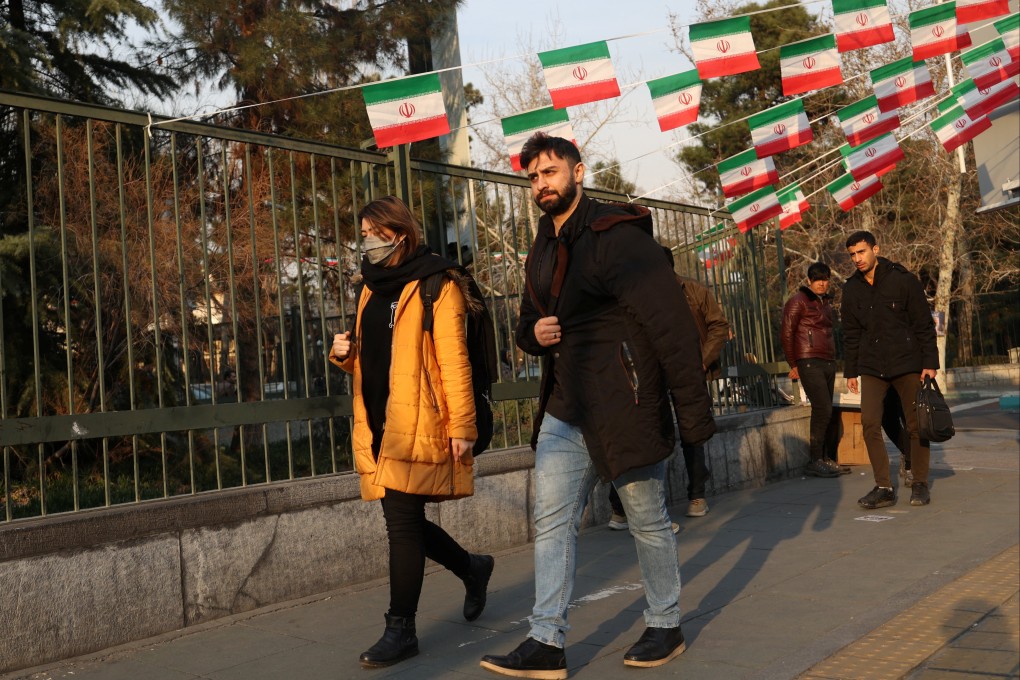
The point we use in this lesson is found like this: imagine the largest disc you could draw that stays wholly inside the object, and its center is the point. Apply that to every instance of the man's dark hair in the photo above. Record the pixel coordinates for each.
(559, 147)
(819, 271)
(859, 236)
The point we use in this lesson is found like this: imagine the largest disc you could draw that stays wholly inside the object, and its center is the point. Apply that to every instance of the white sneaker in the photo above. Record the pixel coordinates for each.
(618, 522)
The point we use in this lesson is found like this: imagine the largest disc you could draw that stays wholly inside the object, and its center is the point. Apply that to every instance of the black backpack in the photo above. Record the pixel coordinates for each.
(481, 344)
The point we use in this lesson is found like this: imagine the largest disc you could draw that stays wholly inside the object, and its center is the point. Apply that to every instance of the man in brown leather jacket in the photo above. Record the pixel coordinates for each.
(714, 331)
(811, 353)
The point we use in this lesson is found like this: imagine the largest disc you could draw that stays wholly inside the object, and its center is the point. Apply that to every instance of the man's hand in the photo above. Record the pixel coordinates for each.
(547, 331)
(341, 345)
(794, 374)
(851, 384)
(928, 373)
(460, 447)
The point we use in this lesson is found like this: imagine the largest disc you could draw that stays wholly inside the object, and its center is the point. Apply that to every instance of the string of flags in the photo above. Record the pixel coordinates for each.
(411, 109)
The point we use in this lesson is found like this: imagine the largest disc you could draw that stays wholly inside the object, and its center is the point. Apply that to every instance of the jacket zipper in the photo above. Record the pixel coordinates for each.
(628, 364)
(811, 338)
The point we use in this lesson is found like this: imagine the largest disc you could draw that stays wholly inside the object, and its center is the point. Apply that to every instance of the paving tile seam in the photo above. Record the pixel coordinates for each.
(869, 647)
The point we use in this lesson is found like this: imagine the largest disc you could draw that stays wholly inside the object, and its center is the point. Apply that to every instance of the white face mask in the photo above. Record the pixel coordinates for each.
(376, 249)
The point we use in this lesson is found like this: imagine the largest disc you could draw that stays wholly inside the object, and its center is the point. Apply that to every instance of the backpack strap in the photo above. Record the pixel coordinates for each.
(358, 287)
(429, 290)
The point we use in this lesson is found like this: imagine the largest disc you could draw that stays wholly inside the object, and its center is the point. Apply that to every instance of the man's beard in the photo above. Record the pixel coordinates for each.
(557, 204)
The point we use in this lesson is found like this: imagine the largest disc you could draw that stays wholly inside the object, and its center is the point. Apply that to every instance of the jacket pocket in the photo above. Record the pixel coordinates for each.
(895, 306)
(630, 369)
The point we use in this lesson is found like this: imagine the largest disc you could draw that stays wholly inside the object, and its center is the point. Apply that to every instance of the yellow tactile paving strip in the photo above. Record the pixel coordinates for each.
(942, 620)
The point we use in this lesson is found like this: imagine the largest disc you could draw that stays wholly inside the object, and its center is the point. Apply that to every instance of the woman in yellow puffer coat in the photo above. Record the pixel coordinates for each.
(414, 415)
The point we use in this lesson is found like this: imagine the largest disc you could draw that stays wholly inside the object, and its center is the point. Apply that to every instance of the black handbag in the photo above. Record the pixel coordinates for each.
(934, 422)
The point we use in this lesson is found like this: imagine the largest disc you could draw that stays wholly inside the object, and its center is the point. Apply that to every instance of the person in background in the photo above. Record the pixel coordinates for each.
(890, 344)
(713, 331)
(603, 309)
(811, 352)
(414, 415)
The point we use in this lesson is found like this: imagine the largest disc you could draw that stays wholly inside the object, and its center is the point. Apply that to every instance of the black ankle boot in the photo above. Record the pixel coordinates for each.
(397, 643)
(476, 584)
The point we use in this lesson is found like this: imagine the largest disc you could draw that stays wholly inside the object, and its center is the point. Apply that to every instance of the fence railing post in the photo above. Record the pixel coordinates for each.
(400, 157)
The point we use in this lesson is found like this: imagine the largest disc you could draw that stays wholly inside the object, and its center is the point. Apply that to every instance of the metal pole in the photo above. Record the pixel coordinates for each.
(400, 156)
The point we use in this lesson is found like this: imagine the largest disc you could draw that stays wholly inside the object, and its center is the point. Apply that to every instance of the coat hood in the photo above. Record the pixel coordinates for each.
(612, 214)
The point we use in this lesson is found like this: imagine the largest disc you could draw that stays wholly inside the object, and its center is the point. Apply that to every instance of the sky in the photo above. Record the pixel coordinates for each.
(489, 31)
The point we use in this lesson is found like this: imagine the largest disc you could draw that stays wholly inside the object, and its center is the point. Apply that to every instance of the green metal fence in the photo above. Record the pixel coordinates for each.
(169, 293)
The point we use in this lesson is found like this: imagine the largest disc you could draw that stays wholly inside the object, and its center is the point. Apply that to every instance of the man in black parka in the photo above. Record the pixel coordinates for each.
(606, 314)
(889, 340)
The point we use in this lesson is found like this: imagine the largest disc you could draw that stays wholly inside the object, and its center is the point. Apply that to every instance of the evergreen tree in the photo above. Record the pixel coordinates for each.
(268, 50)
(72, 49)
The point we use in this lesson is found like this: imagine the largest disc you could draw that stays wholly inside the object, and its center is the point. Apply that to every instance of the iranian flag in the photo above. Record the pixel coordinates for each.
(578, 75)
(861, 23)
(715, 252)
(963, 39)
(794, 205)
(979, 102)
(746, 172)
(902, 82)
(517, 129)
(406, 110)
(969, 11)
(751, 210)
(723, 48)
(871, 157)
(989, 63)
(1009, 31)
(933, 31)
(810, 65)
(849, 192)
(954, 127)
(676, 99)
(780, 128)
(863, 121)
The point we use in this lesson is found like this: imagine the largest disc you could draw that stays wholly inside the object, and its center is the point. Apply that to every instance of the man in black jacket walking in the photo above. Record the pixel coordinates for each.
(890, 343)
(606, 314)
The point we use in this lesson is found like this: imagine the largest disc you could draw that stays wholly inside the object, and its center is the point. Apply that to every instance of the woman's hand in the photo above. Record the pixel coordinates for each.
(461, 447)
(341, 345)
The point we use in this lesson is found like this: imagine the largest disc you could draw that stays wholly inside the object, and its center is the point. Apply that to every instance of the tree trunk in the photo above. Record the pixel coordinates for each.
(949, 229)
(965, 327)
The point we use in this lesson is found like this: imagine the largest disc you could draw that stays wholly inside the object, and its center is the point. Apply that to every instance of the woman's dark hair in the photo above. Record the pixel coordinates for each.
(858, 236)
(819, 271)
(392, 213)
(559, 147)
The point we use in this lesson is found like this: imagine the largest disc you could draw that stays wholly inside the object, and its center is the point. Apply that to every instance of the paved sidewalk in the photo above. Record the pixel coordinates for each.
(785, 581)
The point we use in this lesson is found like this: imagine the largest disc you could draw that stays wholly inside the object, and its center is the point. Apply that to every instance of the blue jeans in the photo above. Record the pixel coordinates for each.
(564, 478)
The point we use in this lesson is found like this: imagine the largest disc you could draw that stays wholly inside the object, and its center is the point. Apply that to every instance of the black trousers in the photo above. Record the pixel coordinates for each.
(412, 538)
(818, 377)
(697, 470)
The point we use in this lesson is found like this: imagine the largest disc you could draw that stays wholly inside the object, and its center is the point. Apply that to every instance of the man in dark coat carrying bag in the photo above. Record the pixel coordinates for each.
(890, 343)
(606, 314)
